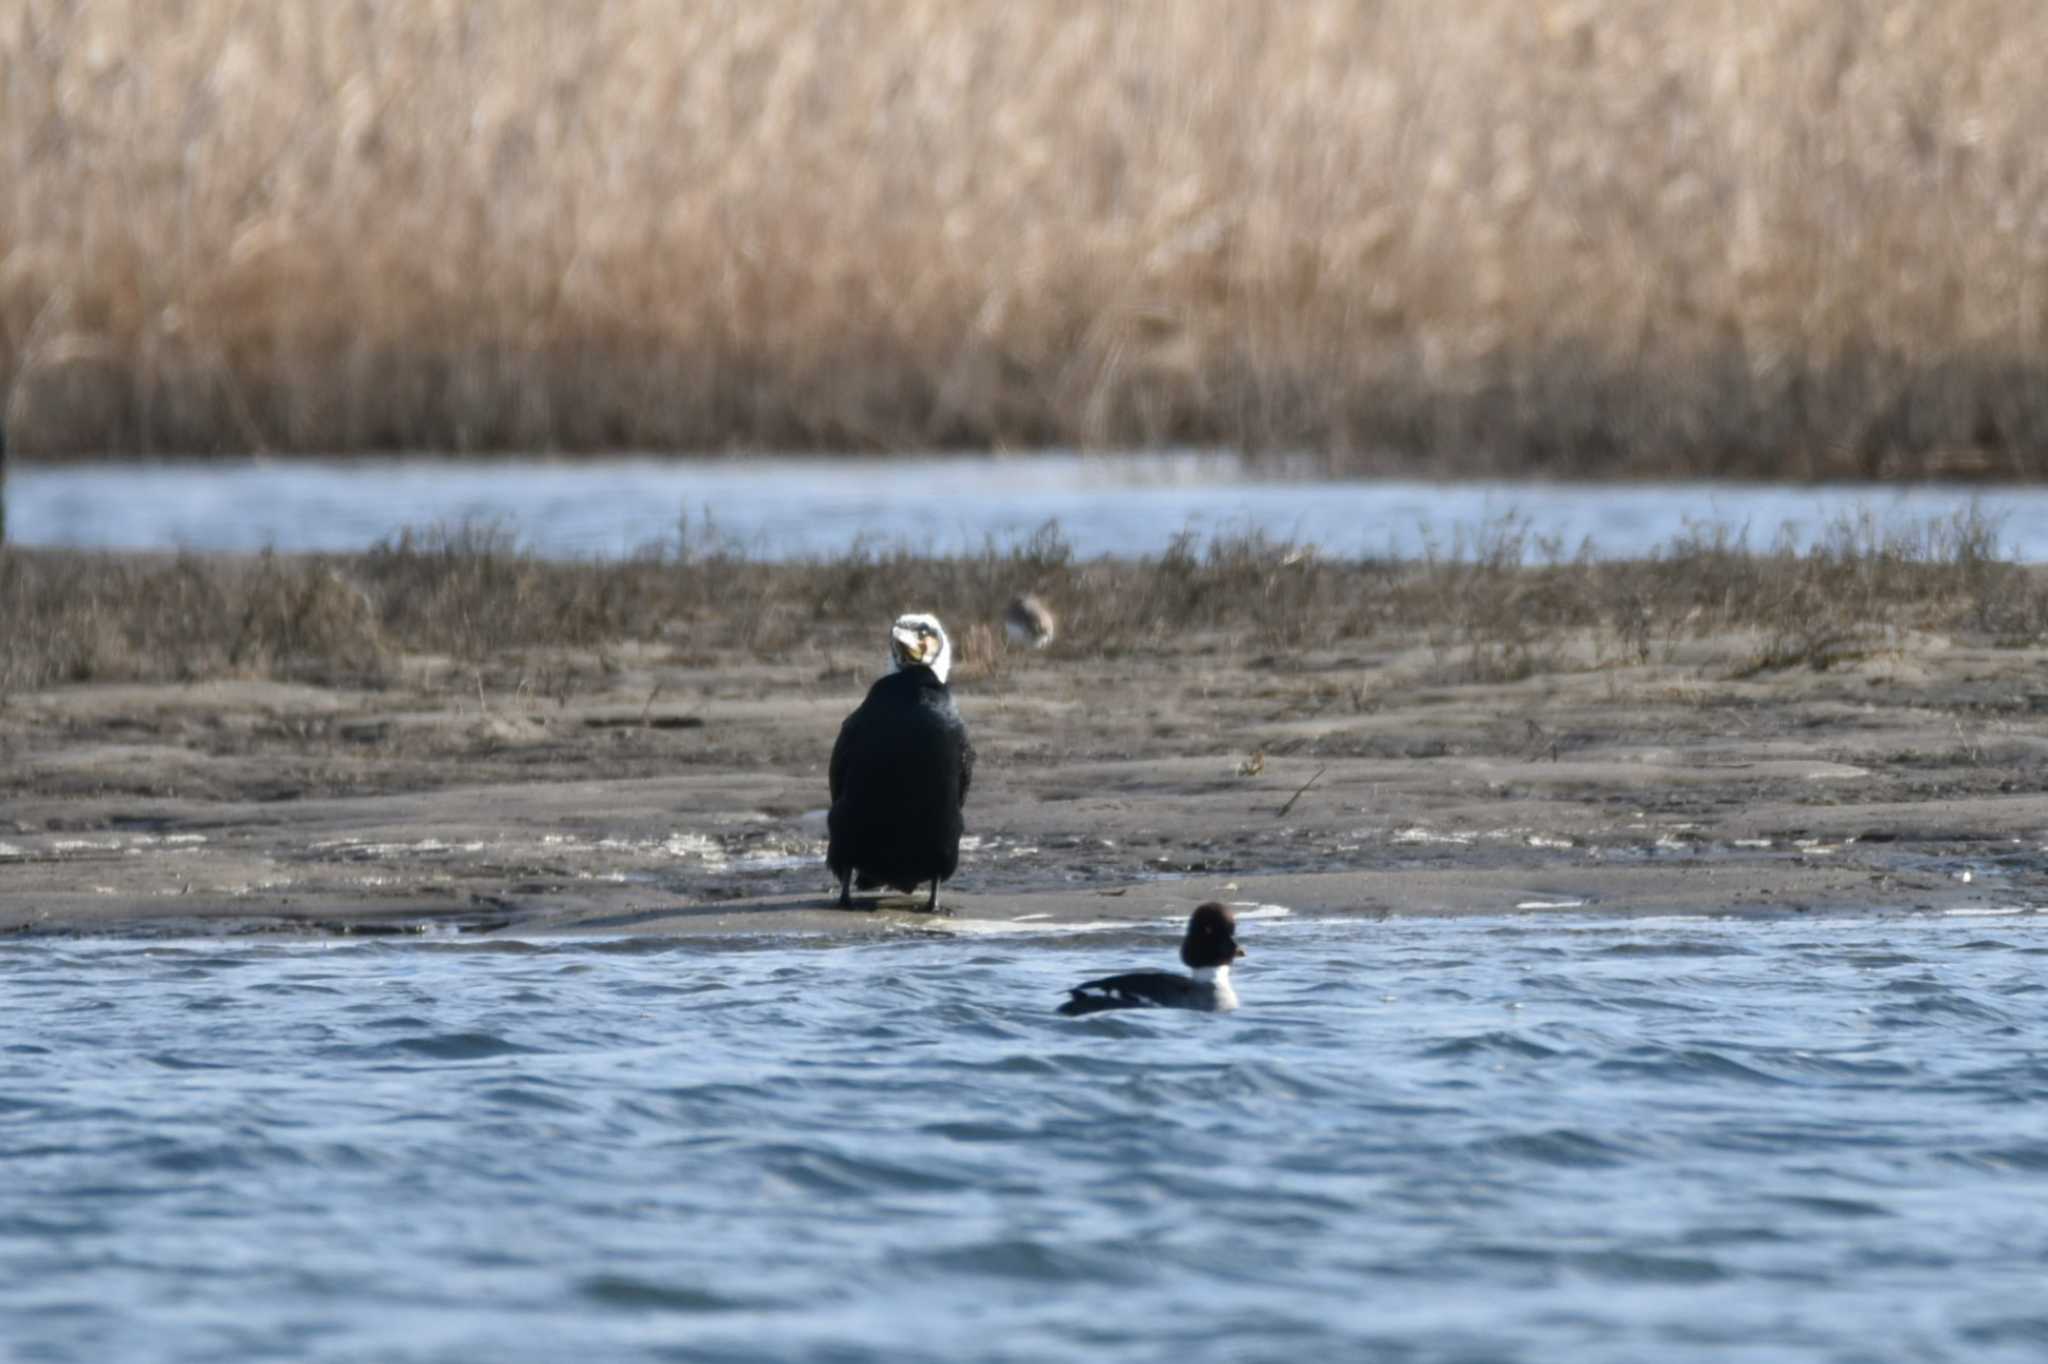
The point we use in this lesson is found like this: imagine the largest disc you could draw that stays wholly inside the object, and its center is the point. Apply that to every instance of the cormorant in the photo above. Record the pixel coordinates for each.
(1208, 949)
(900, 771)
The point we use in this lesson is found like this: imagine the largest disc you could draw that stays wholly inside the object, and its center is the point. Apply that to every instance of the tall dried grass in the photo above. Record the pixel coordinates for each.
(1797, 237)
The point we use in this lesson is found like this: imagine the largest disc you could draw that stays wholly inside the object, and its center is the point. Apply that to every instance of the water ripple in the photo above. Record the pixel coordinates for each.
(1495, 1043)
(1687, 1064)
(1033, 1261)
(1561, 1147)
(642, 1295)
(460, 1046)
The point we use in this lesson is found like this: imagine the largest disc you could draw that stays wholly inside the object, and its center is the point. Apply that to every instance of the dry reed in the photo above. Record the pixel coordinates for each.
(1739, 237)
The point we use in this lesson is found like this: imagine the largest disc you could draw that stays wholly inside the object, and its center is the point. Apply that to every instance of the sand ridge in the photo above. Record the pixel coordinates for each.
(687, 797)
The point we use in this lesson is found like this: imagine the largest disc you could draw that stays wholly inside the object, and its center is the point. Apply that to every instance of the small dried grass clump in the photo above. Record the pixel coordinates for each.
(977, 654)
(308, 621)
(1756, 237)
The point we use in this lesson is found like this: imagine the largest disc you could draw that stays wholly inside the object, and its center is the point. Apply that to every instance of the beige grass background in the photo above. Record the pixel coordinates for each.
(1799, 237)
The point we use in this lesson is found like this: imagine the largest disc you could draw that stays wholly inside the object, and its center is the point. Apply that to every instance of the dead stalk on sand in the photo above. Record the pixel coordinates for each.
(1281, 813)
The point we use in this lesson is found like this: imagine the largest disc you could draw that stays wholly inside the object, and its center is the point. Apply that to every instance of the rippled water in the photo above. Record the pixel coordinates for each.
(1419, 1140)
(787, 507)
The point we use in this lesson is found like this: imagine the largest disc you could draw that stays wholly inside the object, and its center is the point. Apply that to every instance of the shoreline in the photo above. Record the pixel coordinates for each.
(678, 792)
(1041, 917)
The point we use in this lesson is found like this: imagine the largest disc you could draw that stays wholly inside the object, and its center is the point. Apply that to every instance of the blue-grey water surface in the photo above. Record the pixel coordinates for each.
(1528, 1139)
(777, 508)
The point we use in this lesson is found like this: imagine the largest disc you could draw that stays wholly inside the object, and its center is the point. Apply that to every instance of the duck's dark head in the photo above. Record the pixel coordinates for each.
(1211, 939)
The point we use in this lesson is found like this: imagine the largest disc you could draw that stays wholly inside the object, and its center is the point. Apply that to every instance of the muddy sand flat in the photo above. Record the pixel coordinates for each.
(674, 797)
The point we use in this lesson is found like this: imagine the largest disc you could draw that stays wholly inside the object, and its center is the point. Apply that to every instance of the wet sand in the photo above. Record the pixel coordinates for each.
(674, 794)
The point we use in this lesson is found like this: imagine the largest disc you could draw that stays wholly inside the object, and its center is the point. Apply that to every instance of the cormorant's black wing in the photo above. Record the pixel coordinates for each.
(835, 773)
(966, 765)
(1137, 990)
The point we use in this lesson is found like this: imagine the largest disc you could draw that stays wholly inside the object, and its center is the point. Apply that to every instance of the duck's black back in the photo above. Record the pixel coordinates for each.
(899, 775)
(1138, 990)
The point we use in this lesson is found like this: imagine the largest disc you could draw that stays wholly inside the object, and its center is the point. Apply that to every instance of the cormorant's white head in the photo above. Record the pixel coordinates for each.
(916, 639)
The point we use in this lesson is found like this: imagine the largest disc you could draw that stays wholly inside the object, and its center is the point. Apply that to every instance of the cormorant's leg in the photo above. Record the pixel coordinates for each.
(931, 905)
(846, 890)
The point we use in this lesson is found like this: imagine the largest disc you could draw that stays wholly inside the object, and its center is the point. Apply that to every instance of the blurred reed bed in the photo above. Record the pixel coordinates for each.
(1802, 238)
(1492, 605)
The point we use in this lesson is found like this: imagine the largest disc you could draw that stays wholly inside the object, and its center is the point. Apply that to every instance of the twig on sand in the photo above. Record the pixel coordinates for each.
(1281, 813)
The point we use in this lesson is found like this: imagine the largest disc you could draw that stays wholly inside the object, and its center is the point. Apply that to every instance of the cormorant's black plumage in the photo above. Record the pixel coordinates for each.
(899, 775)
